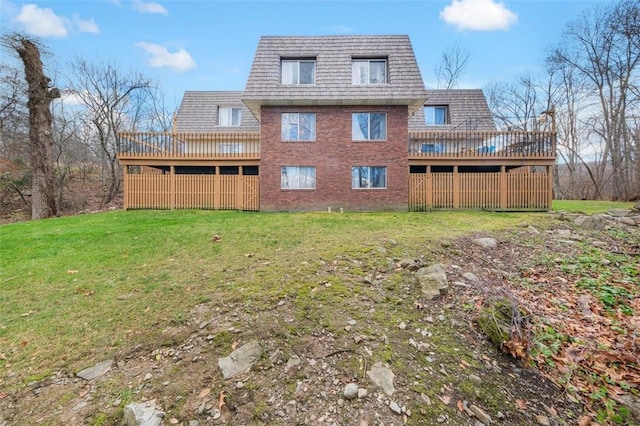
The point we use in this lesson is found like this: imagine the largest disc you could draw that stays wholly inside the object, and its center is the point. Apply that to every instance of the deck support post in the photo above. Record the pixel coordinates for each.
(126, 191)
(504, 193)
(216, 188)
(549, 188)
(172, 191)
(456, 188)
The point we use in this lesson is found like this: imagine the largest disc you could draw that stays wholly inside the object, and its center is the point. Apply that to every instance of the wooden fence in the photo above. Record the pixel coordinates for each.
(171, 191)
(491, 191)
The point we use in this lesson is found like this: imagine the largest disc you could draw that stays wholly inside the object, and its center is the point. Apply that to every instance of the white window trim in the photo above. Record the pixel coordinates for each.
(367, 188)
(227, 112)
(384, 138)
(355, 61)
(289, 188)
(313, 139)
(298, 61)
(446, 113)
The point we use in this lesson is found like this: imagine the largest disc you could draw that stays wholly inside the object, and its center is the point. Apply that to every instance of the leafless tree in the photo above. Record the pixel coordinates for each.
(516, 106)
(603, 47)
(40, 96)
(114, 101)
(451, 67)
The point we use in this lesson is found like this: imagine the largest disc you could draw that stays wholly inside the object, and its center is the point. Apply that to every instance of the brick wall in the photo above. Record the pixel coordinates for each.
(333, 153)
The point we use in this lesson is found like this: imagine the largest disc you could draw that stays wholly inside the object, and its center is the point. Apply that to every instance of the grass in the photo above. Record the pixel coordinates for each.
(589, 207)
(76, 289)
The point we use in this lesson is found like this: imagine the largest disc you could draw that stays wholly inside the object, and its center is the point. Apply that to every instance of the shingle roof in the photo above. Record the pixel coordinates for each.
(467, 110)
(333, 85)
(198, 112)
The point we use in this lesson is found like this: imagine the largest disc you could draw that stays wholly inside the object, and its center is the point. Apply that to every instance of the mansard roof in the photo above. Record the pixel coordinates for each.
(198, 112)
(333, 85)
(467, 109)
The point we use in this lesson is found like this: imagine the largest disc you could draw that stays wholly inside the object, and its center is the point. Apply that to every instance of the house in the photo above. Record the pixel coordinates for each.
(337, 122)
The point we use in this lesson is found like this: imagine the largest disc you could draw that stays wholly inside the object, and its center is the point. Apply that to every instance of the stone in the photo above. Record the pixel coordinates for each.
(470, 276)
(142, 414)
(433, 280)
(480, 415)
(395, 407)
(362, 393)
(486, 243)
(96, 371)
(476, 380)
(543, 420)
(629, 221)
(241, 360)
(382, 376)
(292, 362)
(618, 212)
(351, 391)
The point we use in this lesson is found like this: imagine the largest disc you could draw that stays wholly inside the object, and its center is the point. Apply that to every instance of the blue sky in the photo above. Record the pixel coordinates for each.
(209, 44)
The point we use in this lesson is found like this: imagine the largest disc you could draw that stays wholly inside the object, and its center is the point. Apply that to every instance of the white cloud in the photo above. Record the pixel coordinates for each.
(160, 57)
(86, 26)
(478, 15)
(71, 98)
(149, 7)
(42, 22)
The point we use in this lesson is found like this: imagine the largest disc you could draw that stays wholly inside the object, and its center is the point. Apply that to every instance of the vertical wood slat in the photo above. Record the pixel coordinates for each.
(494, 191)
(167, 191)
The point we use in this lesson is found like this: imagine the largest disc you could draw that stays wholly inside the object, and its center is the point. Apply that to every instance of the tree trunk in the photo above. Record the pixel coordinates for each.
(43, 200)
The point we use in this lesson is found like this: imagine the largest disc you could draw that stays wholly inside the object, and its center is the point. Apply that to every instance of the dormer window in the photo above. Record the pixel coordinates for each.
(435, 115)
(298, 71)
(229, 116)
(368, 71)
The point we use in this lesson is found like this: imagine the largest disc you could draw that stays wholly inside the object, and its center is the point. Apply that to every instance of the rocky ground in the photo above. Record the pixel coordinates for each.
(382, 353)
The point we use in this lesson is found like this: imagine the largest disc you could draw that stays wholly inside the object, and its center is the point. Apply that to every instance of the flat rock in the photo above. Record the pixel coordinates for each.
(142, 414)
(382, 376)
(241, 360)
(618, 212)
(486, 243)
(96, 371)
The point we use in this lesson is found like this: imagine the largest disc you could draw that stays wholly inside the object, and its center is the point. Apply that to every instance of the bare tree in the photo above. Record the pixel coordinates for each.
(40, 96)
(603, 47)
(114, 101)
(516, 106)
(452, 66)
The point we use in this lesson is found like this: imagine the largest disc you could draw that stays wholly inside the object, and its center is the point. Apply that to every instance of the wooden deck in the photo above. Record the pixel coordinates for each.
(449, 170)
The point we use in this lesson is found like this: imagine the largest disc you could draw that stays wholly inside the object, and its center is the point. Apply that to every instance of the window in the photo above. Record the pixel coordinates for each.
(297, 177)
(365, 177)
(368, 71)
(298, 126)
(229, 116)
(298, 71)
(435, 115)
(369, 126)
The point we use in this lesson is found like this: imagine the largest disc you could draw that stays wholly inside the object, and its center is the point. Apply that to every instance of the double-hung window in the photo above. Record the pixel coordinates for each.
(369, 126)
(298, 126)
(368, 177)
(298, 71)
(435, 115)
(298, 177)
(229, 116)
(368, 71)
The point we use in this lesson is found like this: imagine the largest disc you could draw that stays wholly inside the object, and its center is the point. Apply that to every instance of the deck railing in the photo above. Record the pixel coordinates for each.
(520, 144)
(423, 144)
(241, 145)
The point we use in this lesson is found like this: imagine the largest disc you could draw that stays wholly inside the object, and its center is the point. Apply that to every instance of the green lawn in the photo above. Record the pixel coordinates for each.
(76, 289)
